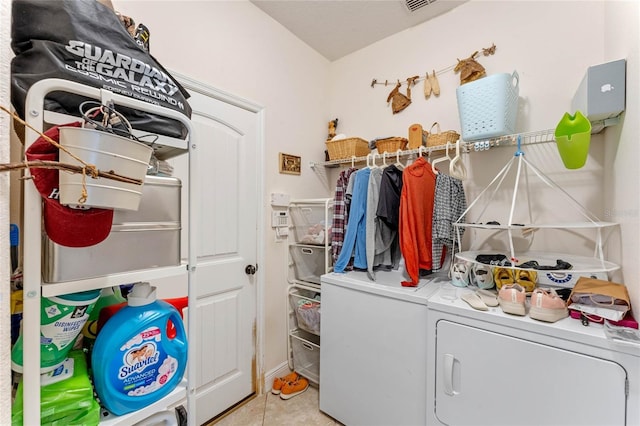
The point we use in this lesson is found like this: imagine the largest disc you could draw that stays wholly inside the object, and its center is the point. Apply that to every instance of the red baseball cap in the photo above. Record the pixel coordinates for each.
(64, 225)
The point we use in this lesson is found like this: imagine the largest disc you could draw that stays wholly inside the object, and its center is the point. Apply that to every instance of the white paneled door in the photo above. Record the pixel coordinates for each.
(228, 138)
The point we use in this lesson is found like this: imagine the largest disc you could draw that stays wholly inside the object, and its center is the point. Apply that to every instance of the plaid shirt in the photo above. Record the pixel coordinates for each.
(450, 203)
(340, 213)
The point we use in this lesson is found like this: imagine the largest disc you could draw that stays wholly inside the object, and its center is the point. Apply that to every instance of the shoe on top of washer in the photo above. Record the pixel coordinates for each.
(547, 306)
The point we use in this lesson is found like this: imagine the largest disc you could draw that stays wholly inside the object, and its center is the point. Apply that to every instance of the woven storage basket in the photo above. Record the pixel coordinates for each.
(488, 107)
(391, 144)
(441, 138)
(346, 148)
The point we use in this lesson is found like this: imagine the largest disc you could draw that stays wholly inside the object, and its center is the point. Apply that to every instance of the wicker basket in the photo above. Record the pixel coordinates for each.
(441, 138)
(347, 148)
(391, 144)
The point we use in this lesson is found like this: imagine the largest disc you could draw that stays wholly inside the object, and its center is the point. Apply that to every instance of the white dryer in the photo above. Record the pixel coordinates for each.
(492, 368)
(373, 351)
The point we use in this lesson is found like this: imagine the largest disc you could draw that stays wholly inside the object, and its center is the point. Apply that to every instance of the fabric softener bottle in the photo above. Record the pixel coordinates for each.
(140, 354)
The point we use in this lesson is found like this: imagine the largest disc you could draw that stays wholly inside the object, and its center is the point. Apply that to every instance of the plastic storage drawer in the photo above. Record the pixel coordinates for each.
(306, 305)
(306, 355)
(308, 262)
(308, 222)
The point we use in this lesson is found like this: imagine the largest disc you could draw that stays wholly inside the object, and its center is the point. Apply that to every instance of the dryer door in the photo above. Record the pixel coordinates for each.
(486, 378)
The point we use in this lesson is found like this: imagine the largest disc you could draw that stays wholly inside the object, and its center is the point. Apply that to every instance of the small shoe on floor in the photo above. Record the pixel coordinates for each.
(291, 389)
(279, 382)
(474, 301)
(547, 306)
(511, 298)
(489, 297)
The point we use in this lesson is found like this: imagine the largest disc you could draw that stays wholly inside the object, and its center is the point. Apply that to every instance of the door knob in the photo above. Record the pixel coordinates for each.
(250, 270)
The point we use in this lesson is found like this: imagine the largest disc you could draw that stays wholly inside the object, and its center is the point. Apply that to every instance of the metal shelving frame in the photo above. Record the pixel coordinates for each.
(36, 116)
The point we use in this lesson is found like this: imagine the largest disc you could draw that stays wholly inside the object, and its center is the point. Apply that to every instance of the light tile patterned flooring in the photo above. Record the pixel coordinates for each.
(270, 410)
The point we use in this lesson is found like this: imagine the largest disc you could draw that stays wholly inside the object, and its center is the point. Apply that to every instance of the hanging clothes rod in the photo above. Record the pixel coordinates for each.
(526, 138)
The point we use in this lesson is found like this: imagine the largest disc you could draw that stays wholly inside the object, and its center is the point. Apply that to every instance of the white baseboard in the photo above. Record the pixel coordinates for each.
(280, 371)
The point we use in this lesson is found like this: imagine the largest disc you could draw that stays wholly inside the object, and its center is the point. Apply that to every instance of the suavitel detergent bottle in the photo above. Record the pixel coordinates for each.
(141, 353)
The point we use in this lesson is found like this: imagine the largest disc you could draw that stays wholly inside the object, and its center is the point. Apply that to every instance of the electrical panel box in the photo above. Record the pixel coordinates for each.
(601, 94)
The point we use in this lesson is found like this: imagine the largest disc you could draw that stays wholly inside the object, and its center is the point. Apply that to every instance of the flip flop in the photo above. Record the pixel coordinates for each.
(488, 297)
(474, 301)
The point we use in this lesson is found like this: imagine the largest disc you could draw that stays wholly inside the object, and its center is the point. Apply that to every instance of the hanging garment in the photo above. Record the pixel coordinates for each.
(387, 213)
(340, 213)
(398, 100)
(449, 204)
(355, 243)
(373, 195)
(416, 219)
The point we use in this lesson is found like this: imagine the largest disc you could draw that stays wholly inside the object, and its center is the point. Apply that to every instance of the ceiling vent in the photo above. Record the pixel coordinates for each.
(414, 5)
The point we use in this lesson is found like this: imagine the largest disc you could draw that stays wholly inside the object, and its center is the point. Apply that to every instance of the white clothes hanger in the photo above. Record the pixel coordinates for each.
(353, 161)
(398, 164)
(456, 166)
(373, 164)
(441, 159)
(384, 159)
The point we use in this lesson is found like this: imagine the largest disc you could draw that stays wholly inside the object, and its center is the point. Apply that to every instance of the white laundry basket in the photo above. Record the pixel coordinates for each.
(488, 107)
(108, 152)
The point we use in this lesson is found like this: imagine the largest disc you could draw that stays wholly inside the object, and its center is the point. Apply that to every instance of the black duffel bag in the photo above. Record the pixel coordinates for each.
(84, 41)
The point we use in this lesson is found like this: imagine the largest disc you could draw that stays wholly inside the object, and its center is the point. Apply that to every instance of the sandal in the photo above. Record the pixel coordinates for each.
(488, 297)
(474, 301)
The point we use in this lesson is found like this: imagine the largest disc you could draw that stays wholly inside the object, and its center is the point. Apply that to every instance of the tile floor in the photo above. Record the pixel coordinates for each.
(270, 410)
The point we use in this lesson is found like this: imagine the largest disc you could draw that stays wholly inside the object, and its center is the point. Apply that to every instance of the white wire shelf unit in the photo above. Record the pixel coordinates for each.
(34, 288)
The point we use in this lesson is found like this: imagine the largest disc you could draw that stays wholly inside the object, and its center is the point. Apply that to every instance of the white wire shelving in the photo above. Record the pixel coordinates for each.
(526, 138)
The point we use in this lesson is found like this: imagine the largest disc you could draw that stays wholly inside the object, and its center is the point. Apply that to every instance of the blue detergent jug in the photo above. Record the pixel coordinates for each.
(140, 354)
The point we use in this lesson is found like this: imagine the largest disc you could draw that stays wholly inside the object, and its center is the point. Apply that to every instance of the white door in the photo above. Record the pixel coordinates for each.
(226, 202)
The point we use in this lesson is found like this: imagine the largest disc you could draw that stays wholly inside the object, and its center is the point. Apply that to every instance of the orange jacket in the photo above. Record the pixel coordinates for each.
(416, 215)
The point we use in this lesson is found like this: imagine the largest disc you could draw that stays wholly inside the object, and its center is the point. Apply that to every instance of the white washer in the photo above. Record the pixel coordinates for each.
(373, 350)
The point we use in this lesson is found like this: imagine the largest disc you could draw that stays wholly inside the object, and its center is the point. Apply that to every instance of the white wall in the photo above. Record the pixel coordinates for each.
(622, 178)
(235, 47)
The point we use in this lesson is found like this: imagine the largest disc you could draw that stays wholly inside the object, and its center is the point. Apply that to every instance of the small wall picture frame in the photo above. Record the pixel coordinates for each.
(290, 164)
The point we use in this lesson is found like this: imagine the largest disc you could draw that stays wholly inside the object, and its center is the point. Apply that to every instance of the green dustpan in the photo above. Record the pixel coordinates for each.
(573, 134)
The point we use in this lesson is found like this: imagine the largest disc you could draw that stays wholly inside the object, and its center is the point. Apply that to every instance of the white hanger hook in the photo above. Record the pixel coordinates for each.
(374, 160)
